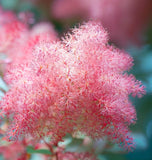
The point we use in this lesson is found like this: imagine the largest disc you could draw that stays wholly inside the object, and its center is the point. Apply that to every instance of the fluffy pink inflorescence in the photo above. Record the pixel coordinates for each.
(76, 85)
(124, 19)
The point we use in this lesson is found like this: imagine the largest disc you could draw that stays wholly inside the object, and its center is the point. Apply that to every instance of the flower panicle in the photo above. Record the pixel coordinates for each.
(75, 85)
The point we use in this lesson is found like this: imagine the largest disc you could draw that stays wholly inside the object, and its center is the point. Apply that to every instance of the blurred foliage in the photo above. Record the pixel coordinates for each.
(31, 150)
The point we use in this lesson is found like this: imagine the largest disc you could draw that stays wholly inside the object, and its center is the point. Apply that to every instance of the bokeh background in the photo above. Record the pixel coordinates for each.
(136, 40)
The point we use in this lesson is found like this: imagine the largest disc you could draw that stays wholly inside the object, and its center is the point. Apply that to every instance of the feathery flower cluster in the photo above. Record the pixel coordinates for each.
(124, 19)
(75, 85)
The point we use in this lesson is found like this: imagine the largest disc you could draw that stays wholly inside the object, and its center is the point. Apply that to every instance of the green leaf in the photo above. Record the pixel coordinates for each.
(31, 150)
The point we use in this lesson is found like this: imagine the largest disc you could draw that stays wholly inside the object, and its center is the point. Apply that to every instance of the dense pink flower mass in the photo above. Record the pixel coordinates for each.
(75, 85)
(124, 19)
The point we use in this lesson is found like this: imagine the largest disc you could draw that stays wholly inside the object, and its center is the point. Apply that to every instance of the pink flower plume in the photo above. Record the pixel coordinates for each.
(75, 85)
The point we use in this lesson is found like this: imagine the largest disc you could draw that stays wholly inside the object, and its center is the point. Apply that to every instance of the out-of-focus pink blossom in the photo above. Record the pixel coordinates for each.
(11, 30)
(62, 155)
(75, 85)
(69, 8)
(15, 33)
(21, 51)
(124, 19)
(45, 30)
(26, 17)
(19, 55)
(13, 151)
(17, 41)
